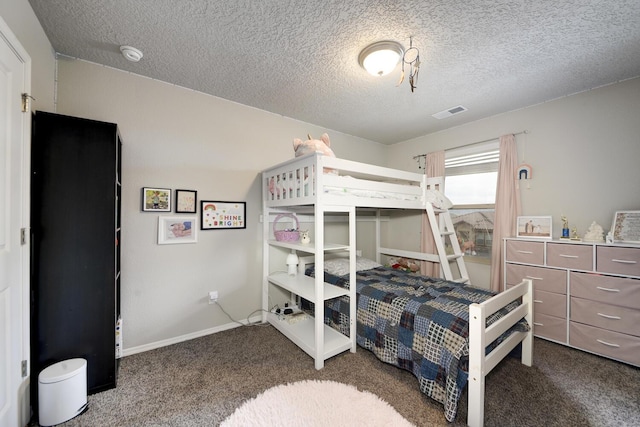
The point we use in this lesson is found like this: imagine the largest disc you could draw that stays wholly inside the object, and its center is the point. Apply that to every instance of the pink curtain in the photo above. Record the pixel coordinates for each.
(434, 166)
(507, 206)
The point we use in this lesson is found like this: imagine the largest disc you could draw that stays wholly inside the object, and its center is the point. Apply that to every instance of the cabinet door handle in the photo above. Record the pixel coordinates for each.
(608, 343)
(524, 252)
(608, 316)
(534, 278)
(538, 301)
(568, 256)
(624, 261)
(607, 289)
(537, 324)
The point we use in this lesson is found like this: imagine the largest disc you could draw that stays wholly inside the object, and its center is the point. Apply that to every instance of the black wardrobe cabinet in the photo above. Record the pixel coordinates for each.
(75, 232)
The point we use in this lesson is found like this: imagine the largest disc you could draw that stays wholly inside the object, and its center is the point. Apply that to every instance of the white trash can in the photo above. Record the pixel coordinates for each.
(62, 391)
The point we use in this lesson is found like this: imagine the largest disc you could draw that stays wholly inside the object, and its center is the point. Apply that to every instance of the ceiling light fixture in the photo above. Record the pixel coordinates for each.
(381, 58)
(131, 53)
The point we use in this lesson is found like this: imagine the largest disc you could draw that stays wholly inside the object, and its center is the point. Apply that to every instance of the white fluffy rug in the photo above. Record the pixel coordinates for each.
(315, 404)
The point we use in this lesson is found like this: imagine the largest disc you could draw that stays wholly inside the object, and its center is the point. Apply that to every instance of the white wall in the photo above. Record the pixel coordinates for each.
(180, 139)
(584, 150)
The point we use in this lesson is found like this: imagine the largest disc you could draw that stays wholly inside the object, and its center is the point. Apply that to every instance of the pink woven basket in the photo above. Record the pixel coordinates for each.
(286, 235)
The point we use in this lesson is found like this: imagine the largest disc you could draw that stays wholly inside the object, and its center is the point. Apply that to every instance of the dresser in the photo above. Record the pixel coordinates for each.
(586, 295)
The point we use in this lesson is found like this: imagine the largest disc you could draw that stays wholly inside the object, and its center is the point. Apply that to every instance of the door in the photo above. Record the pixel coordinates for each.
(14, 219)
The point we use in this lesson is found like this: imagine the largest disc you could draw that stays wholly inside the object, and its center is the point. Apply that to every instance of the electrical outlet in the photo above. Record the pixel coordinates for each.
(213, 297)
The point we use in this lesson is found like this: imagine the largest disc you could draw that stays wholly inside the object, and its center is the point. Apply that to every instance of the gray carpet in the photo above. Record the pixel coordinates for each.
(201, 382)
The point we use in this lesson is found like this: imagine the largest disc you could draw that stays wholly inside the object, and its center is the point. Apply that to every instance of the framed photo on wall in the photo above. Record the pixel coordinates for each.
(186, 201)
(177, 229)
(222, 215)
(534, 227)
(156, 199)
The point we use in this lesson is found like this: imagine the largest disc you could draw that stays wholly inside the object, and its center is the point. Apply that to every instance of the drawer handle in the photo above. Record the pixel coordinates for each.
(534, 278)
(607, 289)
(608, 316)
(524, 252)
(624, 261)
(538, 301)
(537, 324)
(569, 256)
(608, 343)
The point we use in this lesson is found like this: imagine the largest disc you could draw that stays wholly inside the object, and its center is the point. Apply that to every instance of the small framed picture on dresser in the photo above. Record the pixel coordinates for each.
(626, 227)
(534, 227)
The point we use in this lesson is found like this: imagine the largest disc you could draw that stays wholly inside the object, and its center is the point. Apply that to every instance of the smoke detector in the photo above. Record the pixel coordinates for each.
(131, 53)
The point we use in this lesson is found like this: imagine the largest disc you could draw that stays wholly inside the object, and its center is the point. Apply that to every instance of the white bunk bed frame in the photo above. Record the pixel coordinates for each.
(295, 184)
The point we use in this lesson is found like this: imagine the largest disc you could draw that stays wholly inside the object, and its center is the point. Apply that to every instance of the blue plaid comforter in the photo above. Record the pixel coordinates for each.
(417, 323)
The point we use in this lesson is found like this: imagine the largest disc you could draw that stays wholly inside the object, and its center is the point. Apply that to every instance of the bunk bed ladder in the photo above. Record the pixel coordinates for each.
(442, 226)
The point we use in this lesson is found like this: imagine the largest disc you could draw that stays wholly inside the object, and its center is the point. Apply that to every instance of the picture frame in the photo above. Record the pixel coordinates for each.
(186, 201)
(626, 227)
(156, 199)
(177, 229)
(534, 227)
(217, 215)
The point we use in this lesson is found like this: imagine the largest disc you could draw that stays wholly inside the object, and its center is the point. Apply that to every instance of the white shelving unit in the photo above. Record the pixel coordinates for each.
(309, 332)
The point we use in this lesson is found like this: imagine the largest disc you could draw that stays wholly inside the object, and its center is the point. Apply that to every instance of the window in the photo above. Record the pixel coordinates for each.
(471, 175)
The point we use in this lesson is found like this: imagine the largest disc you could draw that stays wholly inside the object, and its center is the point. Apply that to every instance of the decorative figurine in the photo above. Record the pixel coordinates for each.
(609, 238)
(565, 227)
(595, 233)
(574, 234)
(304, 237)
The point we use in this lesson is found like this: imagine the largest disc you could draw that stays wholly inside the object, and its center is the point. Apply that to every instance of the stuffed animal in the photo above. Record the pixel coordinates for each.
(405, 264)
(322, 145)
(301, 148)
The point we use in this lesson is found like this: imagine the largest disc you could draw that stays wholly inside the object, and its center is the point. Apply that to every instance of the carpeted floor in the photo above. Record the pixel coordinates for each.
(202, 381)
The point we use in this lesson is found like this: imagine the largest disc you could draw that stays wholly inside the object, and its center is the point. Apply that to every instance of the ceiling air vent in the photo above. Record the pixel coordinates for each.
(450, 112)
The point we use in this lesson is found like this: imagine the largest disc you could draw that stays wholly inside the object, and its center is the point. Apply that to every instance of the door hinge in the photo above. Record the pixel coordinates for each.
(23, 236)
(26, 101)
(24, 368)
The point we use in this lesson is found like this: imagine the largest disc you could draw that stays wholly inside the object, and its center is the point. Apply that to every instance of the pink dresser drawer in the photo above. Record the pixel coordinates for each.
(618, 260)
(550, 327)
(525, 251)
(579, 257)
(611, 344)
(620, 291)
(606, 316)
(550, 303)
(544, 279)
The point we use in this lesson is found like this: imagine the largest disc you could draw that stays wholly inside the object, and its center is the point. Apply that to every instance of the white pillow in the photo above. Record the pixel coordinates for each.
(438, 200)
(340, 266)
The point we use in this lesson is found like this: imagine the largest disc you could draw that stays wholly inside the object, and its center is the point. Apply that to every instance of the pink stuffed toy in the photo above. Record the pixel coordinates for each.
(301, 148)
(322, 145)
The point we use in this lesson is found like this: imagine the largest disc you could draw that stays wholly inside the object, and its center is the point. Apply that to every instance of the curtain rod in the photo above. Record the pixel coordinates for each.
(472, 143)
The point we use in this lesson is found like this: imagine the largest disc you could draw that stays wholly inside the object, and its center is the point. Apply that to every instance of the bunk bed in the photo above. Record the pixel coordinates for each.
(322, 185)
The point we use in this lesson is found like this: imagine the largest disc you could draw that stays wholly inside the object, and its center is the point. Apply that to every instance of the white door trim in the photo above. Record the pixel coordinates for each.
(19, 388)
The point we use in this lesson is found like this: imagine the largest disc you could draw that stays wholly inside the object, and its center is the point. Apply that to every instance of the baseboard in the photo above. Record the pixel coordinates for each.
(186, 337)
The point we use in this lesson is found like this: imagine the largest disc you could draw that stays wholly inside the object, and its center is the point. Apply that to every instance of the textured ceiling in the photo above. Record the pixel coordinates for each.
(299, 58)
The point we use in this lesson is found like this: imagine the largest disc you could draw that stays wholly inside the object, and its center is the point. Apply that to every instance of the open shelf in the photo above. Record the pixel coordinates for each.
(304, 286)
(302, 333)
(309, 248)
